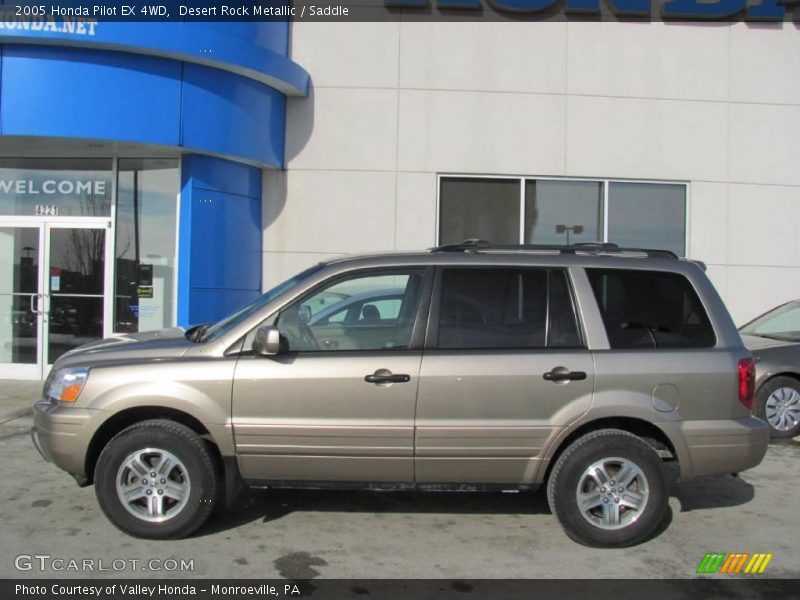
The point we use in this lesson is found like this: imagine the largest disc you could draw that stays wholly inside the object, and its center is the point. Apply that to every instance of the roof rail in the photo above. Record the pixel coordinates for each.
(474, 246)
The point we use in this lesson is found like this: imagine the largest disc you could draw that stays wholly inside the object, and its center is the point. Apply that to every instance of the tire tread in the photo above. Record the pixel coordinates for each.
(564, 461)
(200, 451)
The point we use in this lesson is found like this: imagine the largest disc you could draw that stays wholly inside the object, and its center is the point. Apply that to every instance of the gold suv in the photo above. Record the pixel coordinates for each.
(582, 368)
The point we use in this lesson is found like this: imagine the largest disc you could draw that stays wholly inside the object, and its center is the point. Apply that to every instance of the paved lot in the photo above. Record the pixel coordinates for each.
(305, 534)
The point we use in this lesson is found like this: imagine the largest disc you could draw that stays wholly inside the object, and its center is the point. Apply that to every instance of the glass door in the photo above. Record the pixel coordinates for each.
(52, 293)
(74, 280)
(20, 301)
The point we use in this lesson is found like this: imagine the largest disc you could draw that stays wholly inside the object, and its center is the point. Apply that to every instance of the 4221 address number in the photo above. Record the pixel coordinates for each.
(46, 210)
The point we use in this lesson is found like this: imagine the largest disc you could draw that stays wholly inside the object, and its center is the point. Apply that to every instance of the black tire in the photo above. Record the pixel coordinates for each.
(567, 475)
(764, 392)
(195, 458)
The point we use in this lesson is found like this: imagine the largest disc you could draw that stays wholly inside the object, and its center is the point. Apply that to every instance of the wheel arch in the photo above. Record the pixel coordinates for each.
(646, 430)
(125, 418)
(779, 373)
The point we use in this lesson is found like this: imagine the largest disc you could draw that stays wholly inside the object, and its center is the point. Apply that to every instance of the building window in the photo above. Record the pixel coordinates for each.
(145, 244)
(553, 206)
(505, 210)
(646, 215)
(487, 209)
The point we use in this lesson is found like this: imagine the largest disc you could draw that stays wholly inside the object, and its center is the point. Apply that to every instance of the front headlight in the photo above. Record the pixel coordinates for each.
(67, 384)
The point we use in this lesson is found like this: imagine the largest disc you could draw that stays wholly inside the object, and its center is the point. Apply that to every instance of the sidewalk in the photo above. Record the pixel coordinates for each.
(16, 399)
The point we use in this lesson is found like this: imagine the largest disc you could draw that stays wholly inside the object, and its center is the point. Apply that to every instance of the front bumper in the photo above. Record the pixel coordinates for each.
(61, 434)
(38, 445)
(724, 446)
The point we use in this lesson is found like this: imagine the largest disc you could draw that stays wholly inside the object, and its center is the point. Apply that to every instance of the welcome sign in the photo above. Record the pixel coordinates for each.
(51, 193)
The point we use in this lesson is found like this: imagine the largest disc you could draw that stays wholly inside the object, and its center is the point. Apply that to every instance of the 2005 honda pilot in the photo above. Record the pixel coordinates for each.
(583, 368)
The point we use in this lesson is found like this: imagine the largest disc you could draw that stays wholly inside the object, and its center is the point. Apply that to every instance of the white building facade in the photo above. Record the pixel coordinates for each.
(673, 135)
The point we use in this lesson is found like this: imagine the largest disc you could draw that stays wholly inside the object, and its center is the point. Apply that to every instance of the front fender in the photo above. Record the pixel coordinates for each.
(200, 388)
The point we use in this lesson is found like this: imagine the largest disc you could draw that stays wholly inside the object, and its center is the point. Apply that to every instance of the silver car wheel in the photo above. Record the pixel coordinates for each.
(782, 409)
(612, 493)
(153, 485)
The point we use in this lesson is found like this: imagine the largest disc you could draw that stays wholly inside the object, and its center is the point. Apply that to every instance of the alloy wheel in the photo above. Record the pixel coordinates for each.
(612, 493)
(153, 485)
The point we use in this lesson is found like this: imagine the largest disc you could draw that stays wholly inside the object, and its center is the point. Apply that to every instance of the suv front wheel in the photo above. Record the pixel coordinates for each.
(157, 479)
(608, 489)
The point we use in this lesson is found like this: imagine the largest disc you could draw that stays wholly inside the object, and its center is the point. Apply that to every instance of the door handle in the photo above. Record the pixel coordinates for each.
(385, 376)
(560, 374)
(35, 305)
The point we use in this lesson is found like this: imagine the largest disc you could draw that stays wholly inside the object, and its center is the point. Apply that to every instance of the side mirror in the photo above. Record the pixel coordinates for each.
(267, 341)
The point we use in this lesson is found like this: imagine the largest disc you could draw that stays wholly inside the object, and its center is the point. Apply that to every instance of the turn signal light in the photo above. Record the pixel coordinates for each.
(70, 393)
(747, 382)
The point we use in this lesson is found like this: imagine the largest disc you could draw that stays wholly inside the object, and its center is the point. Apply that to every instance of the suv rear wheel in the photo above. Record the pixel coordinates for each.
(157, 479)
(608, 489)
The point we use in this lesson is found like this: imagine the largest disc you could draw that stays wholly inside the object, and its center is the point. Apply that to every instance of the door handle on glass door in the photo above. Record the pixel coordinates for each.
(35, 305)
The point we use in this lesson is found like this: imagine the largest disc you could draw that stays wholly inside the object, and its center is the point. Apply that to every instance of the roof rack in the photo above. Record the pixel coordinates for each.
(474, 246)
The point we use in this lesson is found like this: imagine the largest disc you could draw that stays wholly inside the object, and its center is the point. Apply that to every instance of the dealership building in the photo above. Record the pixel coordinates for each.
(165, 174)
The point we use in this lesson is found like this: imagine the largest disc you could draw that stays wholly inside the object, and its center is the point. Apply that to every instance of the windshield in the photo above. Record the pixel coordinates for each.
(782, 323)
(222, 327)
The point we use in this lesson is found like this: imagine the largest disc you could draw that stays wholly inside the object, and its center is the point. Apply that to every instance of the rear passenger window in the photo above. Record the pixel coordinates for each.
(650, 309)
(506, 308)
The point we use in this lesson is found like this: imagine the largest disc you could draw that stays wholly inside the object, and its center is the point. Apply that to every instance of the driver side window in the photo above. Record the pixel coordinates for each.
(373, 311)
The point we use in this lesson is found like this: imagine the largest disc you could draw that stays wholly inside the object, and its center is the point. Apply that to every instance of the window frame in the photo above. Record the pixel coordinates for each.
(434, 313)
(416, 340)
(523, 179)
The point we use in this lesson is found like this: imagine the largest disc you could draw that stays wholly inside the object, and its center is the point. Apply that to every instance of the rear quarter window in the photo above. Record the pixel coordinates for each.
(650, 309)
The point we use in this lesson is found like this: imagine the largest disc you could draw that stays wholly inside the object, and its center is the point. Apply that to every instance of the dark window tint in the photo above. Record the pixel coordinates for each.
(650, 309)
(479, 208)
(506, 308)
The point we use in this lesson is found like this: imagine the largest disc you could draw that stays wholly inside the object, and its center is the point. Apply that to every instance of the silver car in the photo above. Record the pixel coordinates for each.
(774, 339)
(583, 369)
